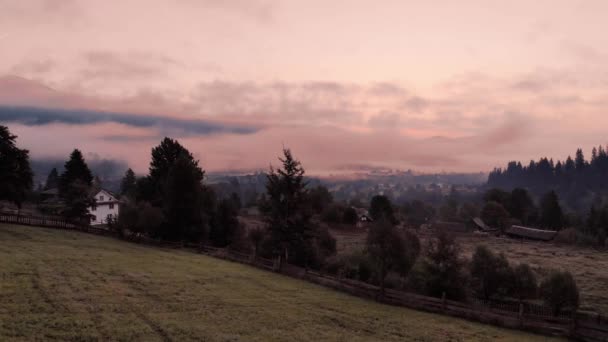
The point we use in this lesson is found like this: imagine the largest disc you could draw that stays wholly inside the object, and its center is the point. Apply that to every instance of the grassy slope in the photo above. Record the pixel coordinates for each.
(74, 286)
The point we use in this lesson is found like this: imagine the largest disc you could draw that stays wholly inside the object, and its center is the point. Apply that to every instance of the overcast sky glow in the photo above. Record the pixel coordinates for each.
(426, 85)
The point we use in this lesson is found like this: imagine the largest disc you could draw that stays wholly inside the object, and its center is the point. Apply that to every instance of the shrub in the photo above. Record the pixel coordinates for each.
(356, 265)
(350, 216)
(442, 268)
(524, 284)
(390, 250)
(332, 214)
(490, 273)
(495, 215)
(559, 291)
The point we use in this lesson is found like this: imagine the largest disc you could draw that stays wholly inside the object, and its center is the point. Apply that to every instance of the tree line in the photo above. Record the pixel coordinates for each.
(578, 181)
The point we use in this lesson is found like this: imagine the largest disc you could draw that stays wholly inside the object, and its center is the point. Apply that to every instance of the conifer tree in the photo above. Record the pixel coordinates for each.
(128, 183)
(75, 188)
(52, 180)
(15, 172)
(287, 217)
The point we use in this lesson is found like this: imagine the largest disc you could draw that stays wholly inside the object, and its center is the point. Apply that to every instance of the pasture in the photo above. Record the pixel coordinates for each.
(589, 266)
(64, 285)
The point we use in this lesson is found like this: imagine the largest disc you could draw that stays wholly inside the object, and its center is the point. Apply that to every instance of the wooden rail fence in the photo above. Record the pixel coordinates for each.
(525, 316)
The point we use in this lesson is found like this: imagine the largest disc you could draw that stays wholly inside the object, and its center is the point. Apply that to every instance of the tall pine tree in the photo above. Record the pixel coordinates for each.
(52, 180)
(15, 172)
(75, 188)
(287, 217)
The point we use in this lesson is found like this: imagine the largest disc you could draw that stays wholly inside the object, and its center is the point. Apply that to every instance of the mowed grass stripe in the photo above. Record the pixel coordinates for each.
(62, 285)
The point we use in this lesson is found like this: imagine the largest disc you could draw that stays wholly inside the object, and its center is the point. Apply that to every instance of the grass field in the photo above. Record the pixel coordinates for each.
(589, 266)
(60, 285)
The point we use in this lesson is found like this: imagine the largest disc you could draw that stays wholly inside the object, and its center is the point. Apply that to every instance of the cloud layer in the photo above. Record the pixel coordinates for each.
(31, 116)
(463, 86)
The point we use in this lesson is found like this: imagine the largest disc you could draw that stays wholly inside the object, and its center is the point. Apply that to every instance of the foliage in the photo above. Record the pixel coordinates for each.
(128, 184)
(490, 273)
(495, 215)
(52, 180)
(499, 196)
(559, 290)
(468, 211)
(382, 208)
(76, 169)
(287, 214)
(320, 198)
(442, 268)
(182, 200)
(140, 218)
(77, 200)
(418, 213)
(521, 206)
(333, 213)
(390, 250)
(356, 265)
(349, 216)
(75, 188)
(225, 228)
(15, 171)
(551, 216)
(523, 283)
(572, 179)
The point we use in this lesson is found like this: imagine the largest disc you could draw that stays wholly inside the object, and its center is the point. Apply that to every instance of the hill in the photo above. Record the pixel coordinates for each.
(73, 286)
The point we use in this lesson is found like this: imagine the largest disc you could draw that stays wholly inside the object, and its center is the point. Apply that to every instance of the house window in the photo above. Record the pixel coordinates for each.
(101, 198)
(111, 205)
(93, 208)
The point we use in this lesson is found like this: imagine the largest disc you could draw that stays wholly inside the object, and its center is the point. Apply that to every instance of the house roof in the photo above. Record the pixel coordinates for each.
(109, 194)
(482, 225)
(531, 233)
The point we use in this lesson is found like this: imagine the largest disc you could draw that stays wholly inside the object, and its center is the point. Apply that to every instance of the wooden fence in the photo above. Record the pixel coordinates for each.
(525, 316)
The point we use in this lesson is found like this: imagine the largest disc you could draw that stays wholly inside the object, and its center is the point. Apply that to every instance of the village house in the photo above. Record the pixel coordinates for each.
(105, 208)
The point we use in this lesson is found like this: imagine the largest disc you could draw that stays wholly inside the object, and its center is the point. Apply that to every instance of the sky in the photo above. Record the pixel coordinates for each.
(433, 86)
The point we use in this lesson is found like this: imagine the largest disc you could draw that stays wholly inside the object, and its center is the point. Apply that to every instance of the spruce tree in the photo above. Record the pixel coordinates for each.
(76, 169)
(15, 172)
(52, 180)
(128, 183)
(552, 216)
(287, 217)
(75, 188)
(182, 200)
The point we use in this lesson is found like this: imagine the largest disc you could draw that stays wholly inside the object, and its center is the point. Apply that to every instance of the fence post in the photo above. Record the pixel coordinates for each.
(521, 313)
(573, 327)
(443, 302)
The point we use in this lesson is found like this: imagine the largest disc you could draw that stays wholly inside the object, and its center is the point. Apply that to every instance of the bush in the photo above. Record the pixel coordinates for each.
(356, 266)
(559, 291)
(524, 284)
(490, 273)
(332, 214)
(442, 268)
(350, 216)
(391, 250)
(495, 215)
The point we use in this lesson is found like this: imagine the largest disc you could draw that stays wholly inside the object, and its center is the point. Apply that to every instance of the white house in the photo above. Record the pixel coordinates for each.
(106, 206)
